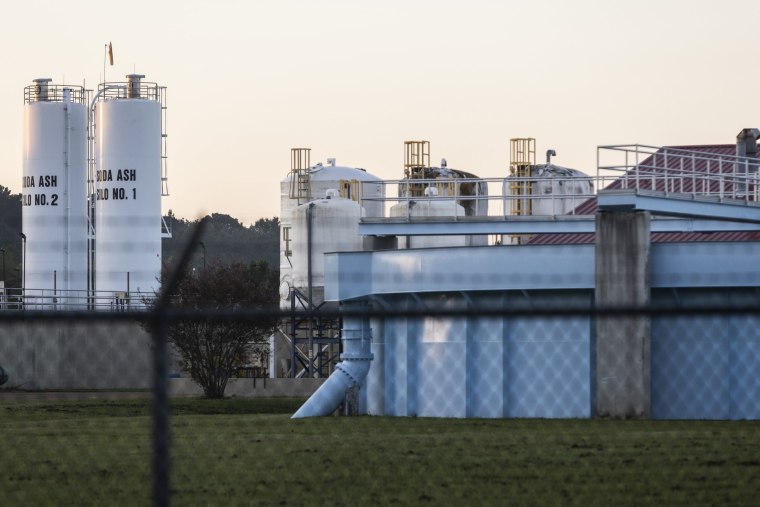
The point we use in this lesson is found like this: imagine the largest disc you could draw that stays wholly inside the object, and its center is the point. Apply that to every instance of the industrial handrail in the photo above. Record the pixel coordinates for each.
(73, 300)
(673, 172)
(55, 93)
(697, 173)
(118, 90)
(496, 201)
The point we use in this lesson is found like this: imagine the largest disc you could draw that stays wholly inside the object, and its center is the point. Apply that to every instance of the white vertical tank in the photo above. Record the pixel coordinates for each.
(555, 190)
(128, 187)
(561, 190)
(54, 183)
(353, 183)
(334, 228)
(429, 206)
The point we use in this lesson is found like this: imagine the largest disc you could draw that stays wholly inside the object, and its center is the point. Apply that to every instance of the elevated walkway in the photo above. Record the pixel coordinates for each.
(714, 208)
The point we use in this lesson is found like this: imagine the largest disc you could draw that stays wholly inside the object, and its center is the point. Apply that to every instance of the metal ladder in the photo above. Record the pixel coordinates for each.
(300, 181)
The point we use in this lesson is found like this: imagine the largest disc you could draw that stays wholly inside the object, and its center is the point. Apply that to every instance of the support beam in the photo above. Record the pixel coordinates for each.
(622, 383)
(679, 205)
(389, 228)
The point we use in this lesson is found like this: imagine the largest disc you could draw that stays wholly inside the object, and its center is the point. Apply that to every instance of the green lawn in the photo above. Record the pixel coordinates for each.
(238, 452)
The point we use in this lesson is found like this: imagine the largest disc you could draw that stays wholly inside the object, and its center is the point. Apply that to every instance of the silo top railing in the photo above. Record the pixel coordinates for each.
(55, 93)
(118, 90)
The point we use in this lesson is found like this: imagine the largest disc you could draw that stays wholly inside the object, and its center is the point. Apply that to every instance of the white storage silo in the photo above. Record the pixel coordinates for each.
(128, 155)
(429, 206)
(54, 211)
(352, 183)
(325, 225)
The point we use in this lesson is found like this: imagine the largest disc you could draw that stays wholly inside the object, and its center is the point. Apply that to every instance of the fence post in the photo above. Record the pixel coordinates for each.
(159, 320)
(160, 414)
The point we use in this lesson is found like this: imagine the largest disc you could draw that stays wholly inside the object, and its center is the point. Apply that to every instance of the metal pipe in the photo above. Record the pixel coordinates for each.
(293, 332)
(309, 215)
(350, 372)
(91, 194)
(67, 203)
(23, 277)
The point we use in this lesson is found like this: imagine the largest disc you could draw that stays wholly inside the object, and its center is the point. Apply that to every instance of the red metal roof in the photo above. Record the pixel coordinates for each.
(658, 160)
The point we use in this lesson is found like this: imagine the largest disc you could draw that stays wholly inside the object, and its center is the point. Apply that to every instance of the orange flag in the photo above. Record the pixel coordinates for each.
(110, 54)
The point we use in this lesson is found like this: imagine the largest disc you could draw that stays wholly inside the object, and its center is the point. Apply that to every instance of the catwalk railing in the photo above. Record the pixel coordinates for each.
(18, 299)
(694, 174)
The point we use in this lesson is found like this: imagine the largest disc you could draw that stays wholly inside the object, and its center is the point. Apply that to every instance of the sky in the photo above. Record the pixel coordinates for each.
(248, 80)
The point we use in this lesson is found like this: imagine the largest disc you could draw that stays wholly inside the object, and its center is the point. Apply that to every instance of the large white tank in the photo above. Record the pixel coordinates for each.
(54, 216)
(555, 190)
(334, 228)
(128, 187)
(429, 206)
(470, 192)
(352, 183)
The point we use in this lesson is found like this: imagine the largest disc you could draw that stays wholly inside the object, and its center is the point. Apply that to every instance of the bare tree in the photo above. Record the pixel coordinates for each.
(211, 349)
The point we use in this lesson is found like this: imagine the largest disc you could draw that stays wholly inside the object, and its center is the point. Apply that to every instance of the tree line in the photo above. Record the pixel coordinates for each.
(10, 238)
(225, 241)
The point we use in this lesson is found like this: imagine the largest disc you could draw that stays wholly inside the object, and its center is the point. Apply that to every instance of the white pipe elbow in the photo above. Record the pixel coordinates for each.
(348, 373)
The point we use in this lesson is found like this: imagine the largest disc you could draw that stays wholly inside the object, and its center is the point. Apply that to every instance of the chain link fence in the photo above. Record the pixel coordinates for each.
(477, 397)
(85, 409)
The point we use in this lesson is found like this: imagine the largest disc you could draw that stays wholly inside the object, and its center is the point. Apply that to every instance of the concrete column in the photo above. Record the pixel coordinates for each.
(622, 384)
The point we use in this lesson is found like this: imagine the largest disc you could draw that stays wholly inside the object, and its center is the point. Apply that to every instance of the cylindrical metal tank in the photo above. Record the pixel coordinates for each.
(429, 206)
(128, 187)
(352, 183)
(325, 225)
(555, 190)
(54, 189)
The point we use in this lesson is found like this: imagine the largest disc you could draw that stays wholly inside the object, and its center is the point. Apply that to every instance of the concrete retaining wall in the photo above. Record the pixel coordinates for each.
(107, 355)
(252, 388)
(79, 355)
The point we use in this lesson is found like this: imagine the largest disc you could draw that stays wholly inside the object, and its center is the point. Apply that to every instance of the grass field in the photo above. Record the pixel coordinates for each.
(248, 452)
